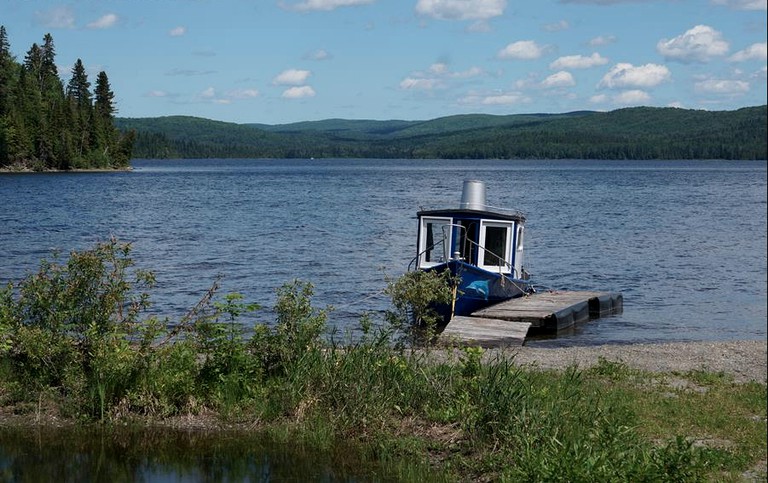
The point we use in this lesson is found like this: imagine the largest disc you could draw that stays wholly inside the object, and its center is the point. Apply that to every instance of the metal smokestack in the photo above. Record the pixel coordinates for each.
(473, 195)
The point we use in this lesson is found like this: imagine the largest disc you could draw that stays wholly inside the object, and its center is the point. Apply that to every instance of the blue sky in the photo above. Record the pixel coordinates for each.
(281, 61)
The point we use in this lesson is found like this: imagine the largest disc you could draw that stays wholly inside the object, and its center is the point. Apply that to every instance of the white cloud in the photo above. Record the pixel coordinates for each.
(243, 94)
(208, 93)
(529, 82)
(602, 40)
(503, 99)
(435, 77)
(602, 2)
(522, 49)
(627, 75)
(480, 26)
(698, 44)
(323, 5)
(57, 18)
(742, 4)
(494, 99)
(762, 73)
(291, 77)
(177, 31)
(578, 62)
(444, 71)
(461, 9)
(753, 52)
(557, 26)
(157, 93)
(438, 68)
(559, 79)
(720, 86)
(413, 83)
(298, 92)
(104, 22)
(631, 97)
(319, 54)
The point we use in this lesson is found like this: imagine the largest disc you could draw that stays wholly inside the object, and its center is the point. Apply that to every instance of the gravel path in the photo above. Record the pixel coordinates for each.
(744, 360)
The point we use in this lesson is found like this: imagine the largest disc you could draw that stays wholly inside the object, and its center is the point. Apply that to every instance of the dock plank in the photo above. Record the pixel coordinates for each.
(485, 332)
(551, 310)
(508, 322)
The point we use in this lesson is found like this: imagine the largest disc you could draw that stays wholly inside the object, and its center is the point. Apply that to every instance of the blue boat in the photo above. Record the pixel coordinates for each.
(482, 246)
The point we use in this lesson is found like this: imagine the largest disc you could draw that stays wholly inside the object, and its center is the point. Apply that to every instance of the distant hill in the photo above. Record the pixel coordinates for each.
(631, 133)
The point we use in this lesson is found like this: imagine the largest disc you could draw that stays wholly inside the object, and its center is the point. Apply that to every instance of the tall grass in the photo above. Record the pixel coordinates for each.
(76, 335)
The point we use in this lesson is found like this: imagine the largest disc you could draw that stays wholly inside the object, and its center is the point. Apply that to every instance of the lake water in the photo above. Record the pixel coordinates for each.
(685, 242)
(118, 454)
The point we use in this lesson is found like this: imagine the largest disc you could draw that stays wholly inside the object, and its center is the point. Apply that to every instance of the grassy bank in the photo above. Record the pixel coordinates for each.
(76, 343)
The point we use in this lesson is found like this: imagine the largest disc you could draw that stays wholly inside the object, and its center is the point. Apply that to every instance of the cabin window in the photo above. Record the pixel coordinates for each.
(519, 238)
(435, 241)
(495, 245)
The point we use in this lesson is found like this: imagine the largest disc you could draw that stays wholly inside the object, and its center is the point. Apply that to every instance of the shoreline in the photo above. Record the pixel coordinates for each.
(23, 169)
(744, 360)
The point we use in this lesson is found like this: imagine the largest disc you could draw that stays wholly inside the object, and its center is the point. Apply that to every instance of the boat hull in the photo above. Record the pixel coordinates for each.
(478, 288)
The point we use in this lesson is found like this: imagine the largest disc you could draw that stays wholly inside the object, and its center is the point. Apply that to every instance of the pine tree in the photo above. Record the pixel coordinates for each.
(43, 125)
(104, 102)
(107, 136)
(79, 96)
(7, 72)
(78, 88)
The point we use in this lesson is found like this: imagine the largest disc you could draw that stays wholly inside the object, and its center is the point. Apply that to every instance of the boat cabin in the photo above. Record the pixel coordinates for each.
(488, 238)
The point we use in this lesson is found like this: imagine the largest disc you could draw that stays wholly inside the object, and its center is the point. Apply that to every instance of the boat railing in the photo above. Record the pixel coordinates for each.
(415, 260)
(503, 263)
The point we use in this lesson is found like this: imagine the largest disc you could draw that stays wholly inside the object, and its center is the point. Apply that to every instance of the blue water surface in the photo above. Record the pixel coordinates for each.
(683, 241)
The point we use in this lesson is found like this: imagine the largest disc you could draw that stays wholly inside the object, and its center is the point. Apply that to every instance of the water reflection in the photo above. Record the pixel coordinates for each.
(115, 455)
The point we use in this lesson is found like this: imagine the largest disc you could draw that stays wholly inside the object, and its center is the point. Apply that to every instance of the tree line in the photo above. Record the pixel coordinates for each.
(46, 124)
(630, 133)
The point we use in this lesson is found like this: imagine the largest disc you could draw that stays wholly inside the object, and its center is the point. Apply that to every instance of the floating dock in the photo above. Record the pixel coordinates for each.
(507, 323)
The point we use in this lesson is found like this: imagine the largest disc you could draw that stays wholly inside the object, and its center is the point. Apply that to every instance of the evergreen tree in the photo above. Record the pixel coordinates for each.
(43, 125)
(104, 102)
(33, 63)
(78, 88)
(6, 72)
(79, 96)
(107, 136)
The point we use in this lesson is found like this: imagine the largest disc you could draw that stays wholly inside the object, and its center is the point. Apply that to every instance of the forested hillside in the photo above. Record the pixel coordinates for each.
(47, 125)
(631, 133)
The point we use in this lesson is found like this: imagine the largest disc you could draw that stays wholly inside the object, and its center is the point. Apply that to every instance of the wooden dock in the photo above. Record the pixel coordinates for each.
(508, 323)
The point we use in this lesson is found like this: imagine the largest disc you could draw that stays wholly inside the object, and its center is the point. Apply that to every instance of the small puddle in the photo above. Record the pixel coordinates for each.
(121, 454)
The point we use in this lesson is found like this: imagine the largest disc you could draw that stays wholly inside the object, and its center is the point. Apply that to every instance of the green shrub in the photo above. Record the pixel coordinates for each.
(415, 296)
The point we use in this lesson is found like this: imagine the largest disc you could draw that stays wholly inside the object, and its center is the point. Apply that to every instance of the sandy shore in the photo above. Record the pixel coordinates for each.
(744, 360)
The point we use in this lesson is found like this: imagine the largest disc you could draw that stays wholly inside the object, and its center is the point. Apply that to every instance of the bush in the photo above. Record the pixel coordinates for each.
(415, 296)
(80, 315)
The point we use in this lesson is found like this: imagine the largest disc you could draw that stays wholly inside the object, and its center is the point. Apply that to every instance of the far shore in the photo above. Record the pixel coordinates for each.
(28, 170)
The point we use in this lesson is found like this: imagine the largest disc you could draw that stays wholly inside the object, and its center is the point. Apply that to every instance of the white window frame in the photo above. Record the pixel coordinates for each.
(484, 224)
(448, 221)
(519, 238)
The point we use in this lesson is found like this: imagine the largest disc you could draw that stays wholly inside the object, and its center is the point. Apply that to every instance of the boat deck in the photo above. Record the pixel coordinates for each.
(507, 323)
